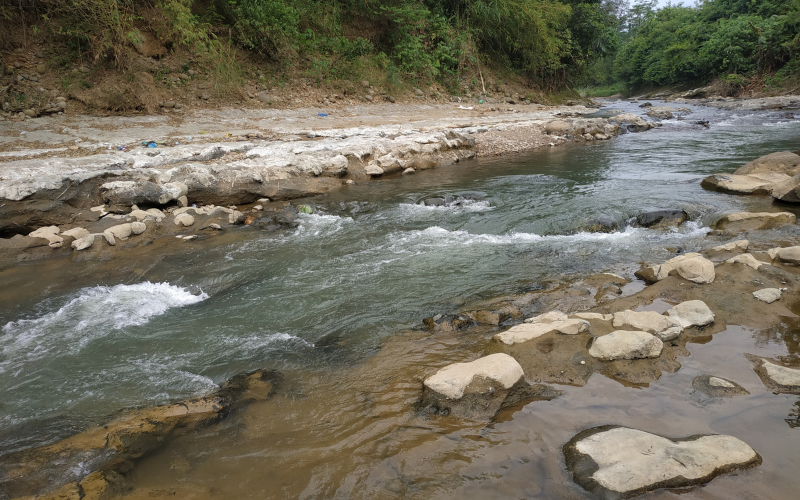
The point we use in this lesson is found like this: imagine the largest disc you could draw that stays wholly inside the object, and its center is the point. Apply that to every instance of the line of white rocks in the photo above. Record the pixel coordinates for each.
(618, 462)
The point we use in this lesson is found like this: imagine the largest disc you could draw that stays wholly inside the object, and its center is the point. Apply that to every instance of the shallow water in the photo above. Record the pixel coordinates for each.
(333, 303)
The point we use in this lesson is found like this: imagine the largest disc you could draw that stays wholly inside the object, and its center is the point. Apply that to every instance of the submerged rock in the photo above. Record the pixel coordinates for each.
(130, 436)
(768, 295)
(624, 344)
(717, 387)
(776, 377)
(480, 388)
(619, 462)
(448, 322)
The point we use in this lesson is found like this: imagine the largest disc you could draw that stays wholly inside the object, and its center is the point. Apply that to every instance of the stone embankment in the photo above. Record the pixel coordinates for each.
(65, 188)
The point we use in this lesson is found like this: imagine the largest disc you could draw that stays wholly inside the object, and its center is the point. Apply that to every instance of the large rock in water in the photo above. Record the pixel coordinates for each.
(661, 219)
(784, 162)
(623, 344)
(761, 183)
(618, 462)
(480, 388)
(747, 221)
(631, 122)
(775, 377)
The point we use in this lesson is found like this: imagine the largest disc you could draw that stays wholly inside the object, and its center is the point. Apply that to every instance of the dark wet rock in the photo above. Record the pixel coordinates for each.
(448, 322)
(479, 389)
(646, 105)
(494, 316)
(602, 224)
(434, 202)
(130, 436)
(775, 377)
(660, 219)
(717, 387)
(703, 123)
(619, 462)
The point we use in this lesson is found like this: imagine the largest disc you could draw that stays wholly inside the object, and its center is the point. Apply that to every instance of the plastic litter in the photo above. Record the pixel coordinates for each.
(322, 114)
(480, 101)
(150, 144)
(462, 107)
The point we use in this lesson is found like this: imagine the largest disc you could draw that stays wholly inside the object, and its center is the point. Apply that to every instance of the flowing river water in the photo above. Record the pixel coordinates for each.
(336, 304)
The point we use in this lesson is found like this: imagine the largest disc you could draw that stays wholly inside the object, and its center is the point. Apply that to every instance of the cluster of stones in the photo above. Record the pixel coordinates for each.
(608, 460)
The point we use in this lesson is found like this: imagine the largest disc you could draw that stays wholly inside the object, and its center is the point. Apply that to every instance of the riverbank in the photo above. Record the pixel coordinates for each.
(475, 253)
(64, 179)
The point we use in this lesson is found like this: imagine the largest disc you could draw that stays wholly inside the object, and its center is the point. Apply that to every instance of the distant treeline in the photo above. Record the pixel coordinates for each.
(733, 40)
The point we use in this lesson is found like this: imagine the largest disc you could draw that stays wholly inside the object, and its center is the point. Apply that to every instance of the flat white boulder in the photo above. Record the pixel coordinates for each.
(648, 321)
(623, 344)
(529, 331)
(619, 462)
(691, 313)
(768, 295)
(776, 377)
(452, 380)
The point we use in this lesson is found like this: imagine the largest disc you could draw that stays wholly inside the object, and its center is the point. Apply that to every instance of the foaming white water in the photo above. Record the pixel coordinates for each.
(435, 235)
(321, 224)
(464, 205)
(93, 313)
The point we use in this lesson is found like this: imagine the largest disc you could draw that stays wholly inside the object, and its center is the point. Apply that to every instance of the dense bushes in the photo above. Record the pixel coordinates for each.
(552, 41)
(683, 45)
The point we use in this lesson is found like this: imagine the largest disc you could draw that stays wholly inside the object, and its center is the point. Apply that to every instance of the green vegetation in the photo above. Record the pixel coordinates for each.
(552, 42)
(736, 41)
(599, 46)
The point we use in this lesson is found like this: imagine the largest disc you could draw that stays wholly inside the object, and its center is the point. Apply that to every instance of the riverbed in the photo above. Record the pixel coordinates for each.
(337, 304)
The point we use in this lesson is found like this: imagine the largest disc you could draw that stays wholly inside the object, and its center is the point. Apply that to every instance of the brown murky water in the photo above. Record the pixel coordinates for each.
(352, 433)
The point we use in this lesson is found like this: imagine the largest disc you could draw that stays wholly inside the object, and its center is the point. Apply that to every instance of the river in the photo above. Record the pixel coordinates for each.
(336, 305)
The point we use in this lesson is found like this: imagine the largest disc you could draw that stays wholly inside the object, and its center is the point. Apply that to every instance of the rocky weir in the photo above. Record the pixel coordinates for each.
(617, 380)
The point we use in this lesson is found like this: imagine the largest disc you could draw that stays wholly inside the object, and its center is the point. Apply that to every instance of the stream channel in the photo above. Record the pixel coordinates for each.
(337, 303)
